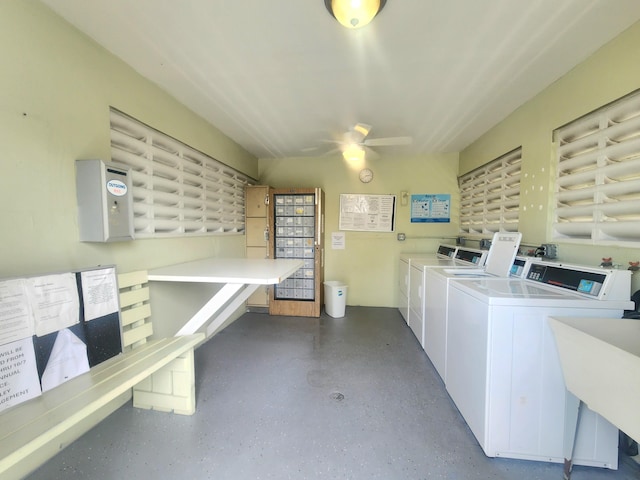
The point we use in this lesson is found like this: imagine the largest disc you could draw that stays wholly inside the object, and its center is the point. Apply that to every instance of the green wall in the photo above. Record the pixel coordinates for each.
(57, 86)
(56, 89)
(610, 73)
(369, 262)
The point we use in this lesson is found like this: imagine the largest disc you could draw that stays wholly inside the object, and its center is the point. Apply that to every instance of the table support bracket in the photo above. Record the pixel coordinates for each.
(225, 294)
(220, 320)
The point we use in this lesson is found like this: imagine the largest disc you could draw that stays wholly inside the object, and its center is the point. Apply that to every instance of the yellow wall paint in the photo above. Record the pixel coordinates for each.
(369, 263)
(57, 86)
(610, 73)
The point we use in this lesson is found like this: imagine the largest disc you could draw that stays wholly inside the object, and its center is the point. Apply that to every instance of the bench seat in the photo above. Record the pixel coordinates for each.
(158, 373)
(32, 425)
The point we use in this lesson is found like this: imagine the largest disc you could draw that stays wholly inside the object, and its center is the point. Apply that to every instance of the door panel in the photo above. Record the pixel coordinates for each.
(297, 231)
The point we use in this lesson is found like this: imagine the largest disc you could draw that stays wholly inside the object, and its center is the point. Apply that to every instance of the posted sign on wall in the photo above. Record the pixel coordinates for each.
(367, 213)
(53, 328)
(431, 208)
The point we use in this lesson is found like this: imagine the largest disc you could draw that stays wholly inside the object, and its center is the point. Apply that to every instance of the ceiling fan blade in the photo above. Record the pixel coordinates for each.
(388, 141)
(332, 151)
(370, 153)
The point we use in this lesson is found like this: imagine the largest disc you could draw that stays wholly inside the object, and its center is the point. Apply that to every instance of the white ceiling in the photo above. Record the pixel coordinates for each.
(279, 76)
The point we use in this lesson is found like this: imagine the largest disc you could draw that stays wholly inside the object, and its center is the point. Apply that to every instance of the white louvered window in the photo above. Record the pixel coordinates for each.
(177, 190)
(597, 194)
(490, 196)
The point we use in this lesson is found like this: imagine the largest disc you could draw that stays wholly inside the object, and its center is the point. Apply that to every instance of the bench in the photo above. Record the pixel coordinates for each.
(159, 374)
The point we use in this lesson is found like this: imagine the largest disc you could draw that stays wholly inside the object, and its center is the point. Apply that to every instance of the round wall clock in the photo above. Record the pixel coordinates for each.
(366, 175)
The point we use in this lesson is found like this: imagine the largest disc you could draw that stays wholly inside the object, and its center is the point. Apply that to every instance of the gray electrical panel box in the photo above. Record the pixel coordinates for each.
(105, 204)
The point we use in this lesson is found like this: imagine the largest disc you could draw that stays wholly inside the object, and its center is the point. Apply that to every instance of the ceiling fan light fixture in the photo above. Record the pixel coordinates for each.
(353, 153)
(354, 13)
(362, 129)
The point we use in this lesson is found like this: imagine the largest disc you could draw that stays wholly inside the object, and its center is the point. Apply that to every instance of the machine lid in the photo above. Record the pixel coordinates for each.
(519, 292)
(500, 260)
(513, 287)
(431, 262)
(466, 273)
(502, 252)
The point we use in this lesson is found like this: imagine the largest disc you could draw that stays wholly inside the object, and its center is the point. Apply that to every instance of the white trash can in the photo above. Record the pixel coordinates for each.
(335, 298)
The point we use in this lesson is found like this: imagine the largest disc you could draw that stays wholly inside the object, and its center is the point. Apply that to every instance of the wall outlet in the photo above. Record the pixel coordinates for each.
(402, 237)
(485, 244)
(549, 250)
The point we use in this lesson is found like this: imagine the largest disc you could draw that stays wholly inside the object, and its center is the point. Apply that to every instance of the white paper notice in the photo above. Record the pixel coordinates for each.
(99, 293)
(18, 373)
(16, 321)
(68, 359)
(367, 213)
(55, 302)
(338, 240)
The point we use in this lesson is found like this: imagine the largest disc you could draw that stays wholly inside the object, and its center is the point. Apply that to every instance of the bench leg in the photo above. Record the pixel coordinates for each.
(170, 389)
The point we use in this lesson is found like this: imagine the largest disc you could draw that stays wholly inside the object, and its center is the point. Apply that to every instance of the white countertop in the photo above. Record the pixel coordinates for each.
(228, 270)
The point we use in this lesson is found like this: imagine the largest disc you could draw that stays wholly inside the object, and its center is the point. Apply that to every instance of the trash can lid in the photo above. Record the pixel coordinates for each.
(334, 283)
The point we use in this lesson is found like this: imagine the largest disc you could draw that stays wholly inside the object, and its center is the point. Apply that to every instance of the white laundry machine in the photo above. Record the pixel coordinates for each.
(503, 370)
(501, 261)
(444, 254)
(464, 258)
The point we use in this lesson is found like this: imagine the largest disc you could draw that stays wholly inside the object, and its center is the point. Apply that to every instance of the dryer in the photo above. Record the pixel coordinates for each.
(444, 255)
(503, 370)
(464, 258)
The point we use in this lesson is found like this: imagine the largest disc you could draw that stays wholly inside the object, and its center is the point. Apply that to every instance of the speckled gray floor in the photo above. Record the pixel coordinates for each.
(300, 398)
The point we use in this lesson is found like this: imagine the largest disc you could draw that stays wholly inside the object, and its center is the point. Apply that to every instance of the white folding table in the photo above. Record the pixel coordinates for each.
(240, 276)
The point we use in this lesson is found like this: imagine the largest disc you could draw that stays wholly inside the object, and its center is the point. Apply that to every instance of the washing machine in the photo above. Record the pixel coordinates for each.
(501, 261)
(502, 367)
(464, 258)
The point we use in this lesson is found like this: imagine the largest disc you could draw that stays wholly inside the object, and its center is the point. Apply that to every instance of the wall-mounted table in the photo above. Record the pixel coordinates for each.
(240, 278)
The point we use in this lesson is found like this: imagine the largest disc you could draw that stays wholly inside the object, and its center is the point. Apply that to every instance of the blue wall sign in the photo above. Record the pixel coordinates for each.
(431, 208)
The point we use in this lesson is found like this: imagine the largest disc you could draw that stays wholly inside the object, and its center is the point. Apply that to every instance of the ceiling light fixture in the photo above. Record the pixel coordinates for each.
(353, 153)
(354, 13)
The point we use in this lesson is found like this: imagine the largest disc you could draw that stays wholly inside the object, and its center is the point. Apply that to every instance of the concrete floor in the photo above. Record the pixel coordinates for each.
(301, 398)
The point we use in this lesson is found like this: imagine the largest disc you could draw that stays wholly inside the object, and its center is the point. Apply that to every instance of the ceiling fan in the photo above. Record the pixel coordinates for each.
(355, 143)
